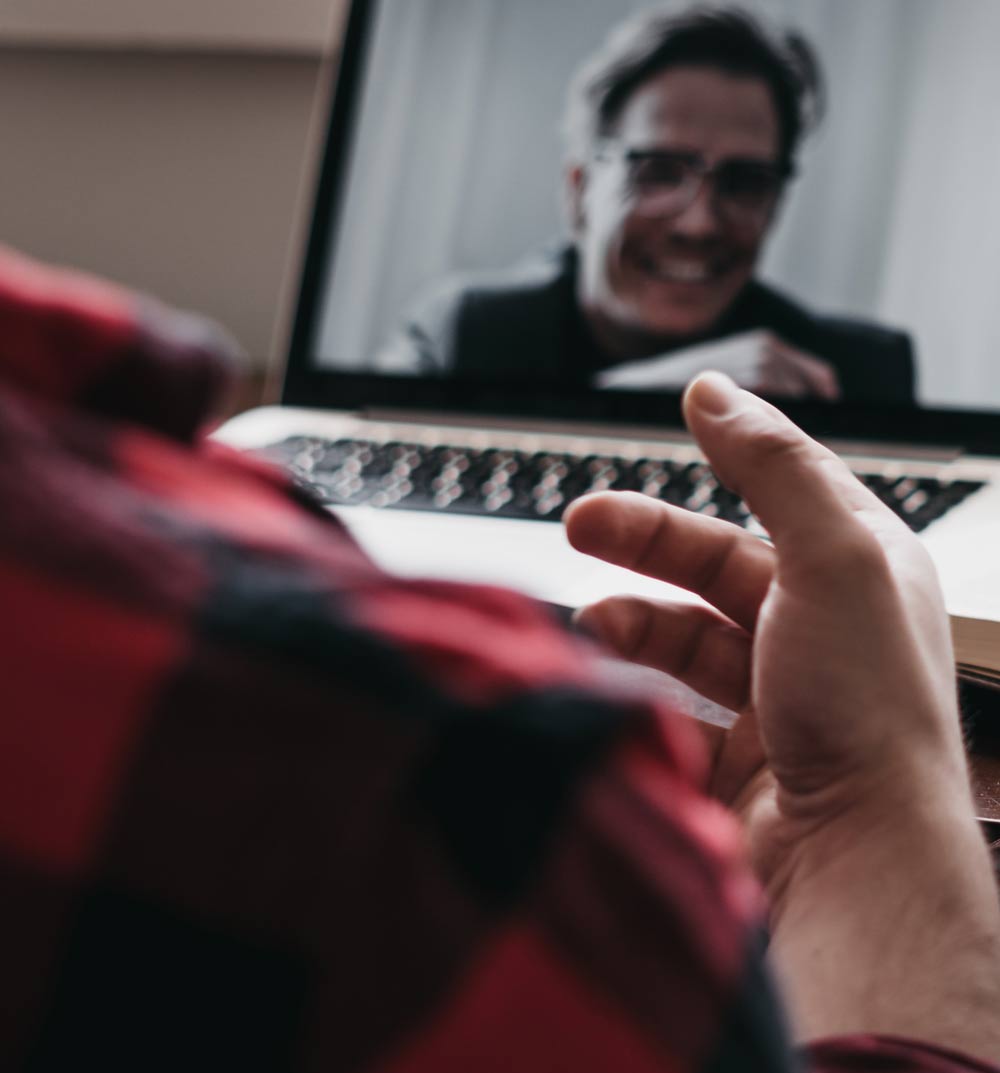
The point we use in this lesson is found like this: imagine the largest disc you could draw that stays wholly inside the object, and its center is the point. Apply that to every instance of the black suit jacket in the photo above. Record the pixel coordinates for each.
(525, 324)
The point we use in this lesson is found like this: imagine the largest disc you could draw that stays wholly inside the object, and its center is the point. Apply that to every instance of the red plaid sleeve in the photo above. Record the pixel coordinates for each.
(71, 338)
(263, 807)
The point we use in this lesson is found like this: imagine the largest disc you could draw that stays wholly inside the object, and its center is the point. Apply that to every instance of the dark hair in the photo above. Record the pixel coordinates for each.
(728, 38)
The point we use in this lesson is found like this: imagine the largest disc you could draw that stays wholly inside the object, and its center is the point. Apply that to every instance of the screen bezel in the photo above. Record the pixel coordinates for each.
(307, 384)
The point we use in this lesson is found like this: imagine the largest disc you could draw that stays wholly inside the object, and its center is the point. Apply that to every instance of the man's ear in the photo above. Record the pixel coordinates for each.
(576, 188)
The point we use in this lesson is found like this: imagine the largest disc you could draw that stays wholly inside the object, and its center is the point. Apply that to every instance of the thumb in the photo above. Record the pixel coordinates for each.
(802, 492)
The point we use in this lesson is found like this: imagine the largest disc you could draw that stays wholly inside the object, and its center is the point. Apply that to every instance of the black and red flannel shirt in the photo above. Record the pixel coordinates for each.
(263, 807)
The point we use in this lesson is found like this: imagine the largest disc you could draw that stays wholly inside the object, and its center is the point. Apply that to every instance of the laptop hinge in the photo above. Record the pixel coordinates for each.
(861, 448)
(916, 452)
(552, 426)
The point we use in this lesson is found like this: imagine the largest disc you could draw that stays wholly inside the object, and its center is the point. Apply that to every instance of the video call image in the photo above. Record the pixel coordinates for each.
(616, 195)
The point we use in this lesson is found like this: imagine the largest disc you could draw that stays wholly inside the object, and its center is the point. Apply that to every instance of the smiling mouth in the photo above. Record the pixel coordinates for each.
(682, 269)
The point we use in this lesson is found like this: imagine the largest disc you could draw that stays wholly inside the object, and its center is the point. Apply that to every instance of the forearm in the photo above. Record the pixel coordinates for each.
(894, 930)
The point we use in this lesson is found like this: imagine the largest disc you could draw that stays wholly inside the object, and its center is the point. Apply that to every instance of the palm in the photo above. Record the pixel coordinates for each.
(802, 713)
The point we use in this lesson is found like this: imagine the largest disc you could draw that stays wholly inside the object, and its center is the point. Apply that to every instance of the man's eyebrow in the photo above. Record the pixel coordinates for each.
(693, 154)
(663, 151)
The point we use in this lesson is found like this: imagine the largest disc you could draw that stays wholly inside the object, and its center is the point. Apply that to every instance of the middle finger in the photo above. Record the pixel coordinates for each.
(726, 566)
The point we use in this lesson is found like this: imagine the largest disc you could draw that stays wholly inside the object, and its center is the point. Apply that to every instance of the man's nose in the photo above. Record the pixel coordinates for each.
(700, 218)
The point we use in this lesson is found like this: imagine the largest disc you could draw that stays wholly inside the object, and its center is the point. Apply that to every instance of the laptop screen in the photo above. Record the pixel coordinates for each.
(525, 209)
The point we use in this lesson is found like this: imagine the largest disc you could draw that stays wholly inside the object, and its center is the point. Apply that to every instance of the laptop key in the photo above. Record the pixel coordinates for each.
(513, 484)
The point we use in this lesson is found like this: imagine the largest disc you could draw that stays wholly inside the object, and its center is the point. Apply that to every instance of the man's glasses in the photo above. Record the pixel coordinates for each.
(664, 183)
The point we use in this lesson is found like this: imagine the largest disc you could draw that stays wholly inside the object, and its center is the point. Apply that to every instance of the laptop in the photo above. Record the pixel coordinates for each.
(442, 162)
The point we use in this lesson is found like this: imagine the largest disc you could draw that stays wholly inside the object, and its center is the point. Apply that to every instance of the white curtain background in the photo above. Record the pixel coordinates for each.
(942, 269)
(896, 215)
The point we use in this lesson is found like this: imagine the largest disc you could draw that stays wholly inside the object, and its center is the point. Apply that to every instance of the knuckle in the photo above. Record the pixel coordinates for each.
(775, 446)
(710, 571)
(857, 555)
(647, 553)
(691, 651)
(622, 622)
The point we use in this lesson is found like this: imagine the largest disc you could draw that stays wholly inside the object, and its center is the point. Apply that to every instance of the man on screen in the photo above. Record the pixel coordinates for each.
(682, 133)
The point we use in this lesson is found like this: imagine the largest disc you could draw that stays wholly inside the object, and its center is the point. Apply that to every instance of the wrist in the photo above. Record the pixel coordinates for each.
(881, 815)
(801, 828)
(890, 924)
(910, 846)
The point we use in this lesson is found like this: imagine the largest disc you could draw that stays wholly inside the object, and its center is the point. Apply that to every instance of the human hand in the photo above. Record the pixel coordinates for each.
(846, 761)
(759, 361)
(835, 641)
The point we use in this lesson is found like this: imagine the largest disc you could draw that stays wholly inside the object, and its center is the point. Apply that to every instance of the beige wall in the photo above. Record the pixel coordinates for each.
(298, 25)
(173, 166)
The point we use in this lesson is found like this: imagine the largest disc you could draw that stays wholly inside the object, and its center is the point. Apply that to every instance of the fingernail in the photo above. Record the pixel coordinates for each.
(714, 393)
(616, 622)
(599, 621)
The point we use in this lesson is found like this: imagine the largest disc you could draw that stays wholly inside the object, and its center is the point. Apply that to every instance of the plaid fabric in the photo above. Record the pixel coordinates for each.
(263, 807)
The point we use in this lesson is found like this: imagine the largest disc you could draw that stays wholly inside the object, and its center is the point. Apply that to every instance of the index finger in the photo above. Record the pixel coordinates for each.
(725, 565)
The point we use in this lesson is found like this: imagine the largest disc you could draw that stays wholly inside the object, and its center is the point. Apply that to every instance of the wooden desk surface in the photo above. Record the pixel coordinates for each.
(986, 790)
(986, 786)
(981, 711)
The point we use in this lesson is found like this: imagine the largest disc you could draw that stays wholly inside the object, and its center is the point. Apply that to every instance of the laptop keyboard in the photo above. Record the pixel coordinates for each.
(515, 484)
